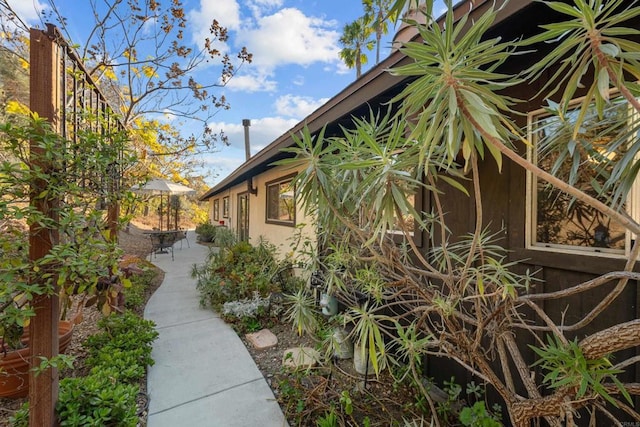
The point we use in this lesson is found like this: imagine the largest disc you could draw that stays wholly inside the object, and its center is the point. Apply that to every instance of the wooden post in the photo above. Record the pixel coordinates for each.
(113, 208)
(43, 335)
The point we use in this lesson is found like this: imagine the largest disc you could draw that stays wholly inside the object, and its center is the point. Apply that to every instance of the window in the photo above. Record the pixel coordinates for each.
(415, 234)
(281, 205)
(225, 207)
(556, 221)
(216, 210)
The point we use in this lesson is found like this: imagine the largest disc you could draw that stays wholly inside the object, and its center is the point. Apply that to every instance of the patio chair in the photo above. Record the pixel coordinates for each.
(162, 243)
(182, 235)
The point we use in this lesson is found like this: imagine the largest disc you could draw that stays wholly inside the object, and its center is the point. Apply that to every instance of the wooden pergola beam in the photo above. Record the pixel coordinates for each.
(45, 99)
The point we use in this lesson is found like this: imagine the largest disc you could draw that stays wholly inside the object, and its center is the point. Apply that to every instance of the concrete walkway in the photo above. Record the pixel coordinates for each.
(203, 375)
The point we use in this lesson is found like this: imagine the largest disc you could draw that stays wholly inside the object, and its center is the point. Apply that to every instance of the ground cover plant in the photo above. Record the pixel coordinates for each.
(252, 290)
(108, 394)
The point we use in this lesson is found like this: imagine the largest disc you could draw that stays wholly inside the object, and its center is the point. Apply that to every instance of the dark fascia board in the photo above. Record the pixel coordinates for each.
(358, 93)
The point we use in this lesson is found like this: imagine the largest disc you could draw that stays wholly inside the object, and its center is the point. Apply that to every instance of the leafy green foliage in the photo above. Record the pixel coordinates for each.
(478, 416)
(206, 231)
(96, 399)
(457, 80)
(355, 39)
(124, 347)
(135, 294)
(225, 237)
(367, 332)
(21, 417)
(328, 420)
(293, 394)
(567, 367)
(81, 252)
(302, 311)
(236, 272)
(118, 357)
(346, 402)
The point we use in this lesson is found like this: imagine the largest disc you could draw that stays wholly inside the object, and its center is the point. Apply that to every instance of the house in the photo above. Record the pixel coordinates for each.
(243, 199)
(562, 250)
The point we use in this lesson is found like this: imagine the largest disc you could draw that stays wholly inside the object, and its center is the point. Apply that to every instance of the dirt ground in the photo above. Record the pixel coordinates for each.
(307, 395)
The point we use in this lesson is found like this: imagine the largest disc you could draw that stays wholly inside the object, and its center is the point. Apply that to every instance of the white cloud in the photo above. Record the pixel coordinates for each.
(290, 37)
(262, 132)
(274, 36)
(297, 106)
(343, 69)
(252, 82)
(298, 80)
(226, 12)
(168, 116)
(268, 3)
(28, 11)
(226, 163)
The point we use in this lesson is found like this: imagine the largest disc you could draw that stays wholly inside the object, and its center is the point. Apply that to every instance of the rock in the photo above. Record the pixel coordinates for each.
(262, 339)
(300, 358)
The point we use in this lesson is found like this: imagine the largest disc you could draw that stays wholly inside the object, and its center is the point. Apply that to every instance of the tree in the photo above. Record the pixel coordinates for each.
(356, 37)
(461, 298)
(137, 54)
(378, 12)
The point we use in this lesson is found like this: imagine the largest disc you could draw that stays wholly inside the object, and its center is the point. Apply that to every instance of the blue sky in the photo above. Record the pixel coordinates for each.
(295, 68)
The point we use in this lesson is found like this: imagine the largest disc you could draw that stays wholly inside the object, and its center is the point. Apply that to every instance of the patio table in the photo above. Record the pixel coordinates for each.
(162, 241)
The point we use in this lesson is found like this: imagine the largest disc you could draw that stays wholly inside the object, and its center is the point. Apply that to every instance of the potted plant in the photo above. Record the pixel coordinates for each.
(15, 358)
(73, 186)
(206, 232)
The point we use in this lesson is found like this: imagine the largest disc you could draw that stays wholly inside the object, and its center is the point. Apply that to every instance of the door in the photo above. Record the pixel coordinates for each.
(243, 216)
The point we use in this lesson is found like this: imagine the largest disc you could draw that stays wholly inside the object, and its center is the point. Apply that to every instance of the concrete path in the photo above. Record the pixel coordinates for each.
(203, 375)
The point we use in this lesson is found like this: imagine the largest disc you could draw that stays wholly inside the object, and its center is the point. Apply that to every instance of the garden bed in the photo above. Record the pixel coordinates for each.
(135, 245)
(307, 396)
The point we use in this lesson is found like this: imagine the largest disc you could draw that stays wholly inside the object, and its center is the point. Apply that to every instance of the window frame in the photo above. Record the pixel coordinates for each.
(531, 190)
(281, 180)
(416, 235)
(225, 207)
(216, 210)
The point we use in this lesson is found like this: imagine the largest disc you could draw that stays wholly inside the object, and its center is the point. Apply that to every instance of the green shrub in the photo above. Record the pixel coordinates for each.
(478, 416)
(124, 344)
(125, 331)
(21, 417)
(206, 232)
(135, 295)
(96, 400)
(128, 366)
(118, 357)
(236, 273)
(225, 237)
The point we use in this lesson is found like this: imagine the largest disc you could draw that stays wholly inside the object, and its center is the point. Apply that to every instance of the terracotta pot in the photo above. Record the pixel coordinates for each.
(14, 366)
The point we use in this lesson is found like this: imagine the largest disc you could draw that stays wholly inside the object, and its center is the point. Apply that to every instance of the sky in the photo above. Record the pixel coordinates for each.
(295, 69)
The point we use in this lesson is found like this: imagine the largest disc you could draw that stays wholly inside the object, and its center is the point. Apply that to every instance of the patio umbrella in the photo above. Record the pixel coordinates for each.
(162, 187)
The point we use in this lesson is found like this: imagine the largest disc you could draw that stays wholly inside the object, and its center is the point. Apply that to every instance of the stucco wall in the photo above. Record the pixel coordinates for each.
(279, 235)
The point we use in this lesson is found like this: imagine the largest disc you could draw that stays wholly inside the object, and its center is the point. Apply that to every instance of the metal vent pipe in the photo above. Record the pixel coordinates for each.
(247, 144)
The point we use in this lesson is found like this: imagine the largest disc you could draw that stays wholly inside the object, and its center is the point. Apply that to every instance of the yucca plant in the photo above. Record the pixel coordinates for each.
(301, 311)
